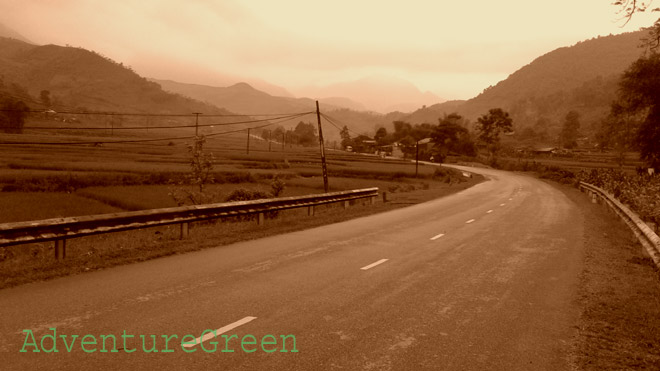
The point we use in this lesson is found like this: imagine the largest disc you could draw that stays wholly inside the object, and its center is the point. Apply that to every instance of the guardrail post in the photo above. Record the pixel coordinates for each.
(384, 197)
(310, 210)
(260, 219)
(594, 198)
(184, 231)
(346, 204)
(372, 200)
(60, 249)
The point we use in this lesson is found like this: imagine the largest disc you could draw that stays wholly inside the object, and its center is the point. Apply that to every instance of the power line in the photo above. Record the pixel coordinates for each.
(129, 114)
(163, 127)
(332, 121)
(130, 141)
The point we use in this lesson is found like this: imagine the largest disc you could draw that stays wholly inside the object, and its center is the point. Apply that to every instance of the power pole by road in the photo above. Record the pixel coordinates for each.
(196, 121)
(248, 142)
(323, 166)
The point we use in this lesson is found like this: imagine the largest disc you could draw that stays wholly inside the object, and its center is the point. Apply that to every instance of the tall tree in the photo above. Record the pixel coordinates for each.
(12, 116)
(45, 98)
(380, 136)
(489, 127)
(639, 95)
(306, 134)
(345, 137)
(570, 130)
(446, 137)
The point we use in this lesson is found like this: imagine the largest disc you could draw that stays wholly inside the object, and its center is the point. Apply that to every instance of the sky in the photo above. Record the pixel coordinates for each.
(454, 49)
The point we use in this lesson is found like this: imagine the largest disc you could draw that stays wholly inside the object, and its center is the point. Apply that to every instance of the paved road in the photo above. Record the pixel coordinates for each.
(483, 279)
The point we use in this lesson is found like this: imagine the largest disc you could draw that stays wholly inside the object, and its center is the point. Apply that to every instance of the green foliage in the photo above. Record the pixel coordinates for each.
(345, 137)
(490, 125)
(200, 175)
(451, 137)
(12, 116)
(306, 134)
(639, 96)
(640, 192)
(570, 130)
(380, 137)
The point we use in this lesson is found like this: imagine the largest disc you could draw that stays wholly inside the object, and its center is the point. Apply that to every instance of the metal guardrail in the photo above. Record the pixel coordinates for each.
(60, 229)
(649, 240)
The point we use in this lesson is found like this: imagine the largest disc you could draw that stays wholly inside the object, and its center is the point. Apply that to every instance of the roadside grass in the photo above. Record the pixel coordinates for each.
(32, 262)
(40, 182)
(20, 206)
(619, 297)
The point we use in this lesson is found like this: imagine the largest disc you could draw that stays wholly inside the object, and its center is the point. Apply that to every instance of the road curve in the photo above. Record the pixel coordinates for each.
(482, 279)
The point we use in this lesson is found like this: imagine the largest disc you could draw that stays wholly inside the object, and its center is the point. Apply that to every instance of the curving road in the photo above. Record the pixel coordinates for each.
(483, 279)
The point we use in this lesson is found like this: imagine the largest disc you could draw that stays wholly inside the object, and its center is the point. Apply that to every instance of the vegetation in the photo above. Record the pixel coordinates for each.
(12, 115)
(490, 125)
(451, 136)
(639, 97)
(201, 175)
(570, 130)
(640, 192)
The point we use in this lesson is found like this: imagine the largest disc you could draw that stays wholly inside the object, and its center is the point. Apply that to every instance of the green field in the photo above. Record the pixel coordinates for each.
(40, 181)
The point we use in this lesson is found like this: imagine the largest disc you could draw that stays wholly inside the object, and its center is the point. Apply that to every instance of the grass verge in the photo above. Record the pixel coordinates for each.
(619, 297)
(28, 263)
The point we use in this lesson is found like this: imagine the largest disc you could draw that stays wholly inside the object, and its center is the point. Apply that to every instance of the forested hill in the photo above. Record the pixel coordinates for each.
(79, 79)
(582, 77)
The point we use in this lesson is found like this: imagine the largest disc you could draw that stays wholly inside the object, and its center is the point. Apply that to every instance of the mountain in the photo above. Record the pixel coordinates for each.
(379, 93)
(243, 98)
(582, 77)
(79, 79)
(11, 34)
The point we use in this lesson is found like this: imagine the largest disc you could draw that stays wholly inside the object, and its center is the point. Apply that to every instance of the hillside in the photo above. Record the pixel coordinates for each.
(79, 79)
(582, 77)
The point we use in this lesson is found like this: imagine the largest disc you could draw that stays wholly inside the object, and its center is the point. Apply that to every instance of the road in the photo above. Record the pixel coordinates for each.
(482, 279)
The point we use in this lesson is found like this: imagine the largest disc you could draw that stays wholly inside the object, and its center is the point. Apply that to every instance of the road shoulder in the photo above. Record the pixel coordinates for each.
(618, 296)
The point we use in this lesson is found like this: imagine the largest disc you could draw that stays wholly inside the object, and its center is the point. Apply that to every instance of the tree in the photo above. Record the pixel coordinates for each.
(306, 134)
(380, 137)
(401, 130)
(45, 98)
(446, 137)
(489, 127)
(619, 131)
(639, 96)
(570, 130)
(201, 175)
(629, 7)
(12, 116)
(345, 137)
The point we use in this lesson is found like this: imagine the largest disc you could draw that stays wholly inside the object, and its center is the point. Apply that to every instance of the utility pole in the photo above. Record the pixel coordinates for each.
(248, 142)
(416, 158)
(323, 166)
(196, 121)
(283, 141)
(269, 141)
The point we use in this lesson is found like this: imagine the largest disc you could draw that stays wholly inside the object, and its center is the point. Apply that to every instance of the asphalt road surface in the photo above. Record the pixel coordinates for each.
(483, 279)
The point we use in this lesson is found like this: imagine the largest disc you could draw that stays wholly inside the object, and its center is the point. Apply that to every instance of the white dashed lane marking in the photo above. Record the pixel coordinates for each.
(469, 221)
(211, 334)
(436, 237)
(489, 211)
(381, 261)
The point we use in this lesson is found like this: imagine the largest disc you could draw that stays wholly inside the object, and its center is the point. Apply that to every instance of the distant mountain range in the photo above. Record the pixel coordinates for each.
(243, 98)
(379, 93)
(582, 77)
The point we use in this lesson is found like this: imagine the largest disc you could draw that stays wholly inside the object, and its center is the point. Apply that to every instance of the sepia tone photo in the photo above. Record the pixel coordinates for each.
(329, 185)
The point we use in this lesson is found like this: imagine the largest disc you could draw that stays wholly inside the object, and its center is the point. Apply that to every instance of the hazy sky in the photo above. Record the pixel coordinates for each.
(454, 49)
